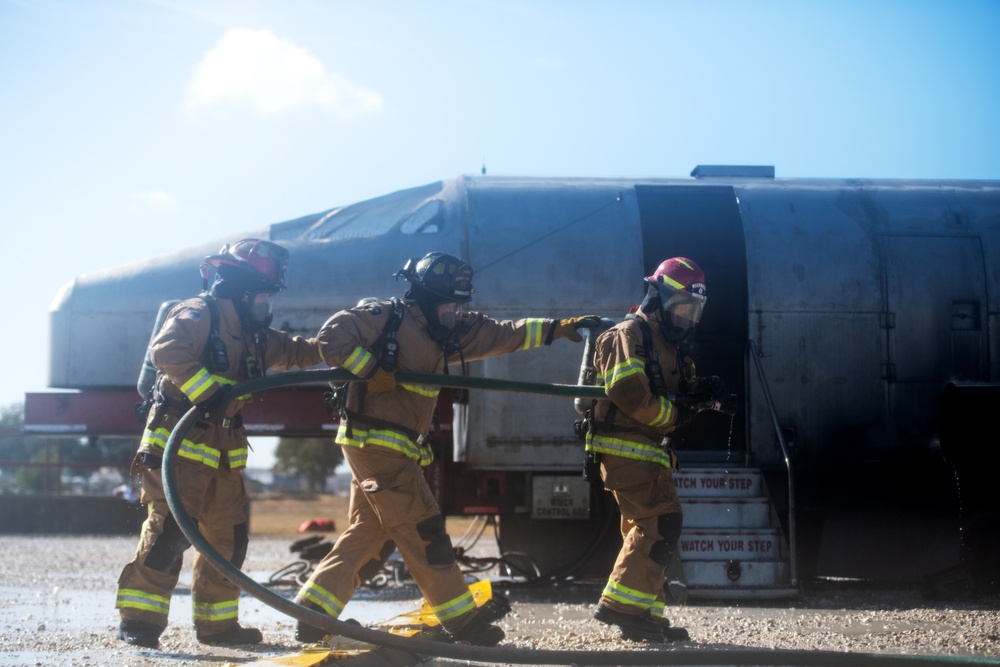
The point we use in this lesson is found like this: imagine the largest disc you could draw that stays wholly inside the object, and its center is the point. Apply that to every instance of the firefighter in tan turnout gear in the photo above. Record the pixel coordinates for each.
(643, 363)
(382, 431)
(205, 344)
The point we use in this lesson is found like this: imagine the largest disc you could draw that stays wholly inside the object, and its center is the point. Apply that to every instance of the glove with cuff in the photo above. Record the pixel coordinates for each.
(569, 328)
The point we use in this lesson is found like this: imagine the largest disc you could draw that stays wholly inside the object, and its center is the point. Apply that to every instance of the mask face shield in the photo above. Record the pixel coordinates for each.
(682, 308)
(260, 307)
(447, 314)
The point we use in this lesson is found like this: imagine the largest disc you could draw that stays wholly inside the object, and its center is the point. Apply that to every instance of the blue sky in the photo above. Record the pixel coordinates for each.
(132, 128)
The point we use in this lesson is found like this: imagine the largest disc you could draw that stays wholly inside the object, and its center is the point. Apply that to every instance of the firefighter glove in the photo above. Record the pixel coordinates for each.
(711, 388)
(569, 327)
(382, 381)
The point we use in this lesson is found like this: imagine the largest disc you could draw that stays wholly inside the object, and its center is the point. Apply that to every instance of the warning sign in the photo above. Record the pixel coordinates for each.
(556, 497)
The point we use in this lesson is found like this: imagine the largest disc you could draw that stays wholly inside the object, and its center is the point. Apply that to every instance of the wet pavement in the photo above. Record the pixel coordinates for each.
(57, 608)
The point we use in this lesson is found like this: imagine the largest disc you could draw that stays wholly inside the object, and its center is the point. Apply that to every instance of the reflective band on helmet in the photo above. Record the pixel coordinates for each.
(322, 597)
(131, 598)
(670, 281)
(218, 611)
(628, 596)
(463, 604)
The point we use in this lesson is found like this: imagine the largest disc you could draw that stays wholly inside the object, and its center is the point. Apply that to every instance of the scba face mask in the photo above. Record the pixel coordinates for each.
(680, 309)
(261, 308)
(447, 315)
(683, 309)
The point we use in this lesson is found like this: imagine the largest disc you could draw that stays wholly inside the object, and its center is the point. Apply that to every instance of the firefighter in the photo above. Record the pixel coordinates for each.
(218, 339)
(383, 430)
(640, 361)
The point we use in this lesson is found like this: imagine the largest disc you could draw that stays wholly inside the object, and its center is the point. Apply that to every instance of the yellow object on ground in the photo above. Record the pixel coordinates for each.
(339, 650)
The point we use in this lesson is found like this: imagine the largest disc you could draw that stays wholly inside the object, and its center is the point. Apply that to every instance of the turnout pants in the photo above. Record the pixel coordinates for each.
(391, 500)
(650, 525)
(217, 501)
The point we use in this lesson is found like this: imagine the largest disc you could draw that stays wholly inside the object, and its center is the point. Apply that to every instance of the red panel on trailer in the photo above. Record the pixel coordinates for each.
(280, 412)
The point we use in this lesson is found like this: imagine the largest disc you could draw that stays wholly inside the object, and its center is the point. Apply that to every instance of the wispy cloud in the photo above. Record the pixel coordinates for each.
(253, 69)
(158, 199)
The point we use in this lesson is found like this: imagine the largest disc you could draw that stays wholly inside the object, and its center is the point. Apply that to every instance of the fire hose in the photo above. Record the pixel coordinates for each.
(424, 647)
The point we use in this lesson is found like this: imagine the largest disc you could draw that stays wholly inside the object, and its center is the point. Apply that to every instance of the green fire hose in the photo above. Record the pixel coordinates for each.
(423, 647)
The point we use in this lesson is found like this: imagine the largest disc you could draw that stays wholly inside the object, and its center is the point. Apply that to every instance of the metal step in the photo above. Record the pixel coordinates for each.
(728, 544)
(718, 482)
(731, 547)
(728, 575)
(723, 513)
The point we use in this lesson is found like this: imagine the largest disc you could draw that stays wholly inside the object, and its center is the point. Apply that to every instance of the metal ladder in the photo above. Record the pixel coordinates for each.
(733, 545)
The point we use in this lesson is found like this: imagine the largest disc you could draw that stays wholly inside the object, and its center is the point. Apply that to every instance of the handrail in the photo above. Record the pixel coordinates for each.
(792, 552)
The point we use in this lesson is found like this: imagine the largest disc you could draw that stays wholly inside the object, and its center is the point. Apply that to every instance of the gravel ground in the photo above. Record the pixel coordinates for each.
(57, 608)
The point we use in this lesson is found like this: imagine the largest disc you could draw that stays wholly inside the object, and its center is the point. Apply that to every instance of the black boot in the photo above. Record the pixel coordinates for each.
(139, 633)
(309, 634)
(670, 633)
(479, 632)
(494, 609)
(232, 636)
(634, 627)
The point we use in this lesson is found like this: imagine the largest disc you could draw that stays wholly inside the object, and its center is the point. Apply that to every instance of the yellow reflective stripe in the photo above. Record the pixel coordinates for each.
(322, 597)
(198, 452)
(131, 598)
(463, 604)
(358, 360)
(627, 449)
(218, 611)
(393, 440)
(238, 457)
(533, 328)
(628, 596)
(628, 368)
(199, 383)
(231, 383)
(422, 390)
(673, 283)
(663, 416)
(658, 609)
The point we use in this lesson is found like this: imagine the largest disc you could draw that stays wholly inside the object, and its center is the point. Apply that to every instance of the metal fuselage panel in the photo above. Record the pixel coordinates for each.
(865, 300)
(863, 297)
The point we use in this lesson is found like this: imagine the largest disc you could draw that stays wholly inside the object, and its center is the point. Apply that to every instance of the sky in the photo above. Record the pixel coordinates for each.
(135, 128)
